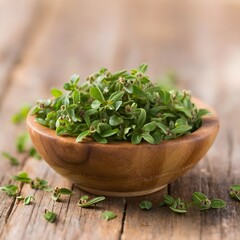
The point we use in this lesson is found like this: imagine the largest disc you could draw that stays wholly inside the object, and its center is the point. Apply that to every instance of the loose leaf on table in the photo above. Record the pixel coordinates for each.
(22, 177)
(20, 116)
(201, 201)
(38, 183)
(13, 161)
(218, 203)
(235, 192)
(108, 215)
(60, 191)
(85, 203)
(28, 200)
(204, 203)
(145, 205)
(50, 216)
(32, 152)
(9, 189)
(21, 142)
(175, 204)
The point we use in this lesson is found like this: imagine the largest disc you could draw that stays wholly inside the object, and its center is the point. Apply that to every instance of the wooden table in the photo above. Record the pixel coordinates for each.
(43, 42)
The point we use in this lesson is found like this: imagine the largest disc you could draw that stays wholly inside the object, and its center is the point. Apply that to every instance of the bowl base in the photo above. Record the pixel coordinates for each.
(120, 194)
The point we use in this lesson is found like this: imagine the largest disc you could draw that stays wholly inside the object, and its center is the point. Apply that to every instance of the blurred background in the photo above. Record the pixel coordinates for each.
(43, 42)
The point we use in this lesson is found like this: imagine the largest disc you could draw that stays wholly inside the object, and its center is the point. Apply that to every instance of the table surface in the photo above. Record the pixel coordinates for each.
(43, 42)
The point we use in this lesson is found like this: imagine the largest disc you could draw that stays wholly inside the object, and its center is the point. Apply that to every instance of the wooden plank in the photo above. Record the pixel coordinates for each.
(33, 73)
(15, 34)
(26, 222)
(19, 34)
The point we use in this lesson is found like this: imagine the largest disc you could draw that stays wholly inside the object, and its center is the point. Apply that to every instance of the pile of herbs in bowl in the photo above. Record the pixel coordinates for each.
(153, 135)
(120, 106)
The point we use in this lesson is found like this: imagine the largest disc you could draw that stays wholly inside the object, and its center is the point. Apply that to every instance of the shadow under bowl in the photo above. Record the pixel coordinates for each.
(121, 169)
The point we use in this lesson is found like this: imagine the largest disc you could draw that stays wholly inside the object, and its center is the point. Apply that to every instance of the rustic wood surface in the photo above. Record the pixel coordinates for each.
(43, 42)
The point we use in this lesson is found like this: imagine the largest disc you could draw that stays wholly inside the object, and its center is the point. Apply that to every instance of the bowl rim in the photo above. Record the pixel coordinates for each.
(210, 124)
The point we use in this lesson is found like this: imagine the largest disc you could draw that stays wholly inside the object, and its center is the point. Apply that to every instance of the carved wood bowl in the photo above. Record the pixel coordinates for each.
(121, 169)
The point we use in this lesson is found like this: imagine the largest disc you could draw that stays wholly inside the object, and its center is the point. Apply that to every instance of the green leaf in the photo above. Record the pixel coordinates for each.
(198, 198)
(90, 203)
(20, 116)
(76, 97)
(95, 104)
(41, 184)
(56, 92)
(129, 88)
(142, 118)
(32, 152)
(100, 139)
(218, 203)
(137, 91)
(157, 137)
(28, 200)
(109, 133)
(117, 105)
(163, 127)
(145, 205)
(41, 121)
(178, 210)
(235, 187)
(149, 127)
(143, 68)
(108, 215)
(13, 161)
(65, 191)
(165, 96)
(22, 177)
(136, 138)
(148, 138)
(116, 96)
(50, 216)
(83, 135)
(181, 129)
(9, 189)
(169, 200)
(203, 112)
(96, 93)
(74, 79)
(115, 120)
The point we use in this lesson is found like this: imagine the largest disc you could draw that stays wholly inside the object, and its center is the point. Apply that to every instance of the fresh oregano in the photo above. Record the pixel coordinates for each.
(120, 106)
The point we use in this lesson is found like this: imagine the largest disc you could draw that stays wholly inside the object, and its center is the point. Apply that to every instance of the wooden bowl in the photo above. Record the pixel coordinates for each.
(121, 169)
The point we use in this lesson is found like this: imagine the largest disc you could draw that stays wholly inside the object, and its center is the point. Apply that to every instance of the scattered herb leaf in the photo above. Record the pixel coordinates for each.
(146, 205)
(50, 216)
(85, 203)
(20, 116)
(38, 183)
(13, 161)
(60, 191)
(108, 215)
(9, 189)
(28, 200)
(21, 142)
(22, 177)
(235, 192)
